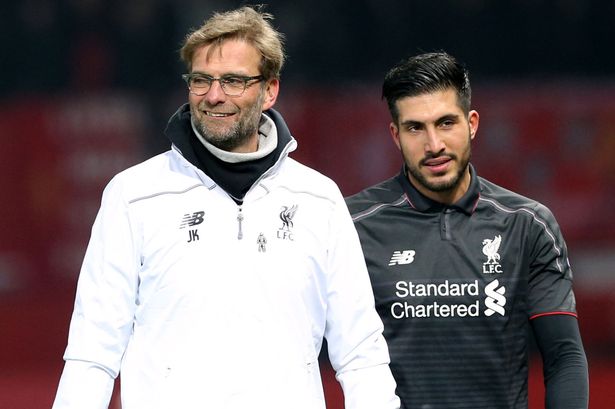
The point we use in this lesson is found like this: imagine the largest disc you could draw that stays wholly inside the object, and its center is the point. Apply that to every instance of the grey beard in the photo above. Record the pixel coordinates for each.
(235, 137)
(241, 132)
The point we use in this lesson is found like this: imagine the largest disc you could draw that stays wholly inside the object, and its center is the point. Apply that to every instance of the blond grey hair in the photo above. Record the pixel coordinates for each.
(247, 24)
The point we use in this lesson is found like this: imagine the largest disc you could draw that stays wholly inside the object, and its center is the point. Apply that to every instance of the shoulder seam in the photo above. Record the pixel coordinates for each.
(375, 208)
(169, 192)
(307, 192)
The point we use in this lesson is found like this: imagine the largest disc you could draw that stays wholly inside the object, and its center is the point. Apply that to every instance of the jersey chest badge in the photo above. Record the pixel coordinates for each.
(491, 249)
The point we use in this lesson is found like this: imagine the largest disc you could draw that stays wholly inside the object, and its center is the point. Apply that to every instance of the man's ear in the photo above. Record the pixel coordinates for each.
(394, 130)
(272, 88)
(473, 119)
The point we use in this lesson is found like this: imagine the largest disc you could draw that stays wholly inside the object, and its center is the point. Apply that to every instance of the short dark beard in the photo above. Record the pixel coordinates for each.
(446, 186)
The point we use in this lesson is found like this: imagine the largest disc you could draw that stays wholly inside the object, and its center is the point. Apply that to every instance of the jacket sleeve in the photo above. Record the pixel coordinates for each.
(84, 385)
(564, 362)
(102, 318)
(357, 349)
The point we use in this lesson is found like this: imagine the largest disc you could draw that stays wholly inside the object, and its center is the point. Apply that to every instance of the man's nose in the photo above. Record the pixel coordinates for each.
(434, 142)
(215, 94)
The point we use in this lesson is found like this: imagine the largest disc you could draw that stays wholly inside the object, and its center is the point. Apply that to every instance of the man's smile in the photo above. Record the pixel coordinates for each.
(218, 114)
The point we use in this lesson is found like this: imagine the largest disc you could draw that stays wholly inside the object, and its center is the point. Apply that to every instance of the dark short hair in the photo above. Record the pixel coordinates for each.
(426, 73)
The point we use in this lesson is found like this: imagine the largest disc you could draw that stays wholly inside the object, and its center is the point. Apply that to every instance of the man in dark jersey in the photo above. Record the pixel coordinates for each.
(463, 269)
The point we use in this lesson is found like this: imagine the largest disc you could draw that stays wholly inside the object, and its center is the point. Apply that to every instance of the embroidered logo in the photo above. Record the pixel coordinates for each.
(495, 300)
(286, 215)
(490, 249)
(402, 257)
(190, 220)
(262, 242)
(193, 219)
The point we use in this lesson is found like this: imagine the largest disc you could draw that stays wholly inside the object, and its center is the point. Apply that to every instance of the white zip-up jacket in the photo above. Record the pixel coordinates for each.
(203, 303)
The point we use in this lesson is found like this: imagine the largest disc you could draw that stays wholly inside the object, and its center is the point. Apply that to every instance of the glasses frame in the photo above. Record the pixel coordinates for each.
(247, 82)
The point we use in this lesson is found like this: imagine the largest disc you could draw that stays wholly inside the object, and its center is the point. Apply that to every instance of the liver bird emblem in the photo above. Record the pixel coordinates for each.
(490, 249)
(286, 215)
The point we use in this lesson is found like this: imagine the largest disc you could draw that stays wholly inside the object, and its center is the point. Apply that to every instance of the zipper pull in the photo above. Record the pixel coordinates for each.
(239, 220)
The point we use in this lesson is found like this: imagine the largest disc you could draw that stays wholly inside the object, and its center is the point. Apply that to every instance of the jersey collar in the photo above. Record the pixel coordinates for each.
(467, 203)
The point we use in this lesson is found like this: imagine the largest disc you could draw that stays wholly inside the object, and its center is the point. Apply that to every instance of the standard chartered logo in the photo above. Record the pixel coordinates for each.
(447, 299)
(495, 300)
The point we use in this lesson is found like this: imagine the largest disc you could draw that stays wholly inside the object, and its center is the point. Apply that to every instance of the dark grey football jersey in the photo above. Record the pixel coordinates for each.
(456, 287)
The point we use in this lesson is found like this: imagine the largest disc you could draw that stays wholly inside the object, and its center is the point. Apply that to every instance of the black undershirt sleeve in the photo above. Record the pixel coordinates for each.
(564, 361)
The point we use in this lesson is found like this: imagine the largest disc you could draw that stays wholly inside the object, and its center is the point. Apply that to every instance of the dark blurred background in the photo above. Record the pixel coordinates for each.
(86, 88)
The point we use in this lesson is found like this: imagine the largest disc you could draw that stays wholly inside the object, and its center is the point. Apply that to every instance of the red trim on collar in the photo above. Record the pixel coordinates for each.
(409, 201)
(476, 203)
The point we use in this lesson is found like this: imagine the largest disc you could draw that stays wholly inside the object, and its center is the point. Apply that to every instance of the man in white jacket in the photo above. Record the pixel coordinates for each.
(215, 270)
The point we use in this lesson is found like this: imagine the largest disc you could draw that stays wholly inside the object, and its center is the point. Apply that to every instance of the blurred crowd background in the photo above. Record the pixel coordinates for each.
(87, 86)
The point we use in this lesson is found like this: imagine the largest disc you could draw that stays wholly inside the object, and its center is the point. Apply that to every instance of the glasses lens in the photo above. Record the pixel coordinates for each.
(199, 84)
(233, 86)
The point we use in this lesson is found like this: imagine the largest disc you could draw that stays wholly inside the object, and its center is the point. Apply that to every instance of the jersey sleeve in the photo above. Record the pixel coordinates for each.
(102, 318)
(357, 349)
(550, 275)
(564, 362)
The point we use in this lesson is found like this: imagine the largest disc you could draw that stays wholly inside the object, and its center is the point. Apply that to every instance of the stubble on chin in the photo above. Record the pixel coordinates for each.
(447, 185)
(235, 135)
(432, 185)
(226, 140)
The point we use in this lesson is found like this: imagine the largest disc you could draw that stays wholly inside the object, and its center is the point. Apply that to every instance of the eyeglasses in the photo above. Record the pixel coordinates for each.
(232, 85)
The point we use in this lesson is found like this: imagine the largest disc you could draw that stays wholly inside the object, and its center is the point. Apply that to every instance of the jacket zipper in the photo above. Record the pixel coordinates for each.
(267, 172)
(239, 220)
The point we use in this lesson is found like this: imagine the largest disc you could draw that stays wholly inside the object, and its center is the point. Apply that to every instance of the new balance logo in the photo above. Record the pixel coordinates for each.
(402, 257)
(193, 219)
